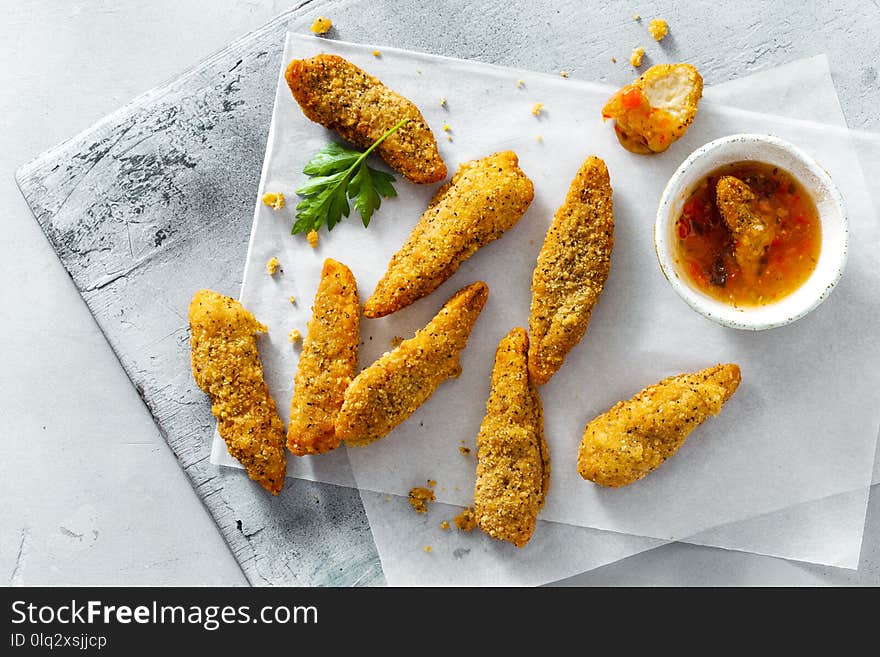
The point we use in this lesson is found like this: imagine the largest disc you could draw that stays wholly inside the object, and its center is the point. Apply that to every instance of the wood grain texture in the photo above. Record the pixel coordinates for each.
(156, 201)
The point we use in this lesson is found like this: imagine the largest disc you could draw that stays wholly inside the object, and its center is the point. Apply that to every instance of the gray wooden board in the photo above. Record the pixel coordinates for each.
(156, 200)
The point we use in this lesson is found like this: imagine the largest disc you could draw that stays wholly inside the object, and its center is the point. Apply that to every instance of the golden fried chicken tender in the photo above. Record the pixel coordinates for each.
(656, 109)
(226, 365)
(572, 268)
(636, 436)
(340, 96)
(513, 462)
(483, 199)
(752, 233)
(327, 364)
(391, 389)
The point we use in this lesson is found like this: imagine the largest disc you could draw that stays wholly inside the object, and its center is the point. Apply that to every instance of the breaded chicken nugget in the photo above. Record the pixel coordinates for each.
(636, 436)
(327, 364)
(485, 198)
(513, 462)
(752, 233)
(572, 268)
(391, 389)
(226, 365)
(337, 94)
(656, 109)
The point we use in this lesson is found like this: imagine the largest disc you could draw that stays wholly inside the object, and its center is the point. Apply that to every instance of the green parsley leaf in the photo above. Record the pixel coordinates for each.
(338, 175)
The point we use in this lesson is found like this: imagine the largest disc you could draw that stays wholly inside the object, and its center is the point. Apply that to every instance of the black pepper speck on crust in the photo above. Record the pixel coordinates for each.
(226, 365)
(636, 436)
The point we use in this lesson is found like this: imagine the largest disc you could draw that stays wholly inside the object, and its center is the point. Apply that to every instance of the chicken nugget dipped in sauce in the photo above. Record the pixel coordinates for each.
(657, 109)
(340, 96)
(752, 232)
(572, 268)
(513, 462)
(636, 436)
(226, 365)
(390, 390)
(327, 364)
(483, 199)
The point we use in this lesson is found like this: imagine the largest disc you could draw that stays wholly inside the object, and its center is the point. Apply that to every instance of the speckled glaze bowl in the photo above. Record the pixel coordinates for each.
(832, 215)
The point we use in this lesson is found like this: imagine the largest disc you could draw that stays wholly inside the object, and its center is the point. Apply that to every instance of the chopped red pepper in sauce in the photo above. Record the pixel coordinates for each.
(706, 248)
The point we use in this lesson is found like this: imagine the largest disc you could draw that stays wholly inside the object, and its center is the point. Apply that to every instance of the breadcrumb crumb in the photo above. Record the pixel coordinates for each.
(537, 108)
(321, 25)
(614, 60)
(448, 138)
(442, 101)
(428, 548)
(444, 525)
(272, 266)
(432, 483)
(520, 84)
(658, 29)
(636, 17)
(446, 128)
(312, 237)
(292, 299)
(274, 200)
(376, 53)
(539, 138)
(294, 336)
(464, 450)
(419, 498)
(563, 73)
(466, 520)
(635, 59)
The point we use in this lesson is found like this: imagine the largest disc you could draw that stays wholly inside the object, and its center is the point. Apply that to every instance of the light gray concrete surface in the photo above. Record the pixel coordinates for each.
(92, 494)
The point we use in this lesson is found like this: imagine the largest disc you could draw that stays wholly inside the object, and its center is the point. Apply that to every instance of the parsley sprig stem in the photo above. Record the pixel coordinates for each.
(337, 175)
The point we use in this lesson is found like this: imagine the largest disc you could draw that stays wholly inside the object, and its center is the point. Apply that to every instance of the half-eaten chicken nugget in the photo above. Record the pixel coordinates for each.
(636, 436)
(513, 462)
(340, 96)
(483, 199)
(572, 268)
(327, 364)
(226, 365)
(656, 109)
(391, 389)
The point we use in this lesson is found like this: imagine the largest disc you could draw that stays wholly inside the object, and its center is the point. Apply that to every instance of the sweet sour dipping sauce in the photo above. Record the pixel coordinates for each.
(751, 248)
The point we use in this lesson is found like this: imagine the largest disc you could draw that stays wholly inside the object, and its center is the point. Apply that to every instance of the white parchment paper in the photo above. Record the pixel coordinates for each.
(563, 128)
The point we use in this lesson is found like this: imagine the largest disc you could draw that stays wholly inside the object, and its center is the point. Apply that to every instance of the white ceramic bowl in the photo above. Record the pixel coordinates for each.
(832, 215)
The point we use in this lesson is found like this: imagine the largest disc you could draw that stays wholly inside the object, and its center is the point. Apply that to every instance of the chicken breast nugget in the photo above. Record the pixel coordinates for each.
(327, 364)
(337, 94)
(391, 389)
(656, 109)
(752, 233)
(226, 365)
(513, 462)
(485, 198)
(572, 268)
(636, 436)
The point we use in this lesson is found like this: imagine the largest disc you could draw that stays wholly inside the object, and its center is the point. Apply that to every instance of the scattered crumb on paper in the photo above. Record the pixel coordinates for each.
(272, 266)
(312, 237)
(537, 108)
(274, 200)
(321, 25)
(419, 498)
(294, 336)
(658, 29)
(444, 525)
(466, 520)
(635, 59)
